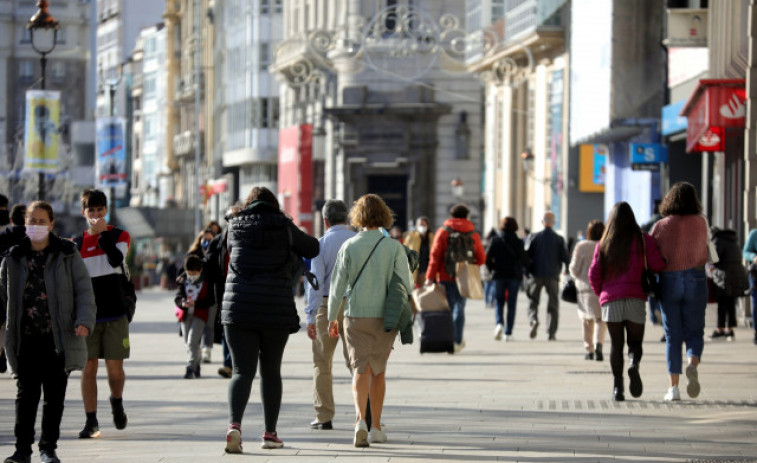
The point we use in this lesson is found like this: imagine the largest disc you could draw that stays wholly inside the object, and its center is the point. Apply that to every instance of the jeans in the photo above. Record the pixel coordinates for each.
(552, 285)
(490, 292)
(753, 293)
(654, 307)
(247, 345)
(509, 286)
(683, 303)
(457, 305)
(40, 369)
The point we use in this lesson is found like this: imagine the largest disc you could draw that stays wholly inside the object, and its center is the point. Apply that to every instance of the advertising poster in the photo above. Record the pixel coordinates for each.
(41, 131)
(111, 153)
(592, 168)
(295, 181)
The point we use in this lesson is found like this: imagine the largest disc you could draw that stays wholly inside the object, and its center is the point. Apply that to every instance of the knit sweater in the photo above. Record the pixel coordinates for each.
(682, 240)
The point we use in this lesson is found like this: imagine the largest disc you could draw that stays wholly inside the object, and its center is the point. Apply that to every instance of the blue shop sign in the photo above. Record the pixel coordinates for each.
(671, 121)
(647, 156)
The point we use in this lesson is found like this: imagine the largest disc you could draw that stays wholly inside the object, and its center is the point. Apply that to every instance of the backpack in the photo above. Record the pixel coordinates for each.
(459, 249)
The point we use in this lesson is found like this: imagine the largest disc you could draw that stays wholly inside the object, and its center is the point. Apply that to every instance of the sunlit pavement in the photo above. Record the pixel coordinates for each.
(525, 400)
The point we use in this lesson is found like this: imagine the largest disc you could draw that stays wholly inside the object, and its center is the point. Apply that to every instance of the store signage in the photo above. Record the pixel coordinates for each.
(647, 156)
(715, 105)
(687, 27)
(295, 179)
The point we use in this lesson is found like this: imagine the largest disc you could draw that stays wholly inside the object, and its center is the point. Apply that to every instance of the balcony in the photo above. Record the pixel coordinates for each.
(299, 58)
(524, 17)
(184, 143)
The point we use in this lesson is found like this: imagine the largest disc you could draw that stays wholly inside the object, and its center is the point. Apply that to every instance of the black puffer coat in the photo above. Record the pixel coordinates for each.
(262, 244)
(729, 273)
(505, 257)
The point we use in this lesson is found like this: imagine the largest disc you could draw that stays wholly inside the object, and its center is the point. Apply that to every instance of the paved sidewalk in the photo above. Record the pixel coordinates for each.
(525, 401)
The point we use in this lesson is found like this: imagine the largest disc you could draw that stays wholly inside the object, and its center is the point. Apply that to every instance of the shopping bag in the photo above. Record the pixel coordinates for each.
(432, 298)
(469, 281)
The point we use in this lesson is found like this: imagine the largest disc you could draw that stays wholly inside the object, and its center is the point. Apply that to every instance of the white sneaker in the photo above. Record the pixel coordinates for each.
(361, 434)
(378, 436)
(459, 347)
(205, 355)
(692, 386)
(508, 338)
(499, 330)
(672, 394)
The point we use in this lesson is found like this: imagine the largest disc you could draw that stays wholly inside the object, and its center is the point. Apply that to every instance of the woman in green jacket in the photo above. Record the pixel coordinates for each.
(364, 267)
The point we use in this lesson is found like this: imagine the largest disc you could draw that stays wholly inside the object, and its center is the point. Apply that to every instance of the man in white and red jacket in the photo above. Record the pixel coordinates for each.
(458, 222)
(103, 249)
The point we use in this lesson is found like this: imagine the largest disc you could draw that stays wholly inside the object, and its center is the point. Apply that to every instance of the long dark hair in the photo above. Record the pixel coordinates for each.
(615, 247)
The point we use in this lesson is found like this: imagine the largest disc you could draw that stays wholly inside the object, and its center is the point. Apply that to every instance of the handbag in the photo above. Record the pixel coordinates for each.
(569, 293)
(649, 282)
(432, 298)
(469, 280)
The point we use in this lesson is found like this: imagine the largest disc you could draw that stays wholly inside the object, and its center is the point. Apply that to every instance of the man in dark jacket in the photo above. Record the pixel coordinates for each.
(547, 253)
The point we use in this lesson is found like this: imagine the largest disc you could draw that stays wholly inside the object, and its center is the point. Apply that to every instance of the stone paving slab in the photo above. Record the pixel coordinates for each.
(521, 401)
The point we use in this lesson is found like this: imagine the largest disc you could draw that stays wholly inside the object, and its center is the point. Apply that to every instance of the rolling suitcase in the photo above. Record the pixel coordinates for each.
(436, 332)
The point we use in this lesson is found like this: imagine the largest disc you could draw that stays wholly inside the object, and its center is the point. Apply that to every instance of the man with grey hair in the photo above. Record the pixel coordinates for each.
(547, 252)
(337, 232)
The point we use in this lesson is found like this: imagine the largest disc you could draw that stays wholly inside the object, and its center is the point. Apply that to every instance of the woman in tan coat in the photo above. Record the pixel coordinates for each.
(589, 311)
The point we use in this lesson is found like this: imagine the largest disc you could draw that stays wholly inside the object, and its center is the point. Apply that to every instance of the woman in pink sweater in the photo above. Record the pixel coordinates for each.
(615, 276)
(682, 236)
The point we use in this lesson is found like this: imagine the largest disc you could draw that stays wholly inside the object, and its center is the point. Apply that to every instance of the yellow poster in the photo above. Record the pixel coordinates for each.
(41, 130)
(592, 162)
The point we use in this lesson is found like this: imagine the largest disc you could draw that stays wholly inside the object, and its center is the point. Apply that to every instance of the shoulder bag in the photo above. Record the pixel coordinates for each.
(648, 279)
(569, 293)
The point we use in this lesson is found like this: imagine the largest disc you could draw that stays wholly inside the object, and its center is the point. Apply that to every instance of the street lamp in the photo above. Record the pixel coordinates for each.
(112, 84)
(42, 20)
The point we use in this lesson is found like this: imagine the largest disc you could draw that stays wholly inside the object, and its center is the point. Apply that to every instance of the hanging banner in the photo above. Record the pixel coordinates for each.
(41, 131)
(111, 154)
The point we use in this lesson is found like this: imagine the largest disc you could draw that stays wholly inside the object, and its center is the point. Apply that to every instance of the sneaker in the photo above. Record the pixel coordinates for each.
(635, 387)
(325, 426)
(672, 394)
(534, 327)
(377, 436)
(225, 372)
(48, 456)
(91, 430)
(499, 330)
(120, 420)
(271, 441)
(717, 334)
(361, 434)
(730, 336)
(508, 338)
(692, 386)
(459, 347)
(205, 355)
(234, 439)
(19, 457)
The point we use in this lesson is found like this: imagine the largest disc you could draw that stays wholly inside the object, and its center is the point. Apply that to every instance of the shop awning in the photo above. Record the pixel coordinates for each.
(715, 105)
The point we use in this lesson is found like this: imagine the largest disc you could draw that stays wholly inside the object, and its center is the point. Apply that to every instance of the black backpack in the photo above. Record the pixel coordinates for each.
(459, 249)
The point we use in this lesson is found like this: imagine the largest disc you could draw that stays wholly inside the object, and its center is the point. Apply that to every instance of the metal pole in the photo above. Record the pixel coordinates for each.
(41, 178)
(196, 192)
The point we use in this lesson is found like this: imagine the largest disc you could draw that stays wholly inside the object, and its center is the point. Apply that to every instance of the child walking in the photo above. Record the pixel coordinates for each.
(194, 297)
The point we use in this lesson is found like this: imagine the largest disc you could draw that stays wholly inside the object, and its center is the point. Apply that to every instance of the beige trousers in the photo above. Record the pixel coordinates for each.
(593, 332)
(323, 356)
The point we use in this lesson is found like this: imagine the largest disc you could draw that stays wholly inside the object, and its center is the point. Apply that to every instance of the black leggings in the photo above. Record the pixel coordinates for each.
(246, 346)
(726, 311)
(618, 331)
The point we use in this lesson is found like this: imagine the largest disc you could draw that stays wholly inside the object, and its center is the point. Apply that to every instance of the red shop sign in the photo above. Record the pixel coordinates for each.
(715, 105)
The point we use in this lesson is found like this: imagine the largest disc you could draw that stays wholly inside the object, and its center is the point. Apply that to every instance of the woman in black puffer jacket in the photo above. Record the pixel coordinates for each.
(259, 311)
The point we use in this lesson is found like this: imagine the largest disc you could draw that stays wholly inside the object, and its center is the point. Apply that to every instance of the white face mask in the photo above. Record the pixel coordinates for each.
(193, 278)
(37, 233)
(422, 230)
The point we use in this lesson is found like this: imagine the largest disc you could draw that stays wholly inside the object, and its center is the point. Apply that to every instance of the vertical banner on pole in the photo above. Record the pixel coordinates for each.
(41, 131)
(111, 154)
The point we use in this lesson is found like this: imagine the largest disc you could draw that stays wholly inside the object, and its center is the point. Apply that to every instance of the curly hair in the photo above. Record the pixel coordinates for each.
(682, 199)
(370, 211)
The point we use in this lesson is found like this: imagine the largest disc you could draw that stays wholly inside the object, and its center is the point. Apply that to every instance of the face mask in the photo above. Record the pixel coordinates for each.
(193, 278)
(422, 230)
(37, 232)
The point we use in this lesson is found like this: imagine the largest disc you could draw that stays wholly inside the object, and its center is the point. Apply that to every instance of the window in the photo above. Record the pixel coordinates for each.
(26, 69)
(59, 70)
(61, 36)
(26, 35)
(265, 57)
(278, 8)
(150, 85)
(264, 6)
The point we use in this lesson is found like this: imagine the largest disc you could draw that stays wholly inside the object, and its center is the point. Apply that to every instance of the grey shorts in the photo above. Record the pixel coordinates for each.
(631, 309)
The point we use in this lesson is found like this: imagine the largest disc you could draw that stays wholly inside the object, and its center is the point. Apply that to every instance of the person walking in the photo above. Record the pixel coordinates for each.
(335, 217)
(420, 241)
(193, 300)
(589, 311)
(505, 259)
(547, 253)
(103, 248)
(47, 295)
(731, 281)
(364, 267)
(440, 266)
(750, 256)
(258, 311)
(683, 283)
(13, 234)
(615, 276)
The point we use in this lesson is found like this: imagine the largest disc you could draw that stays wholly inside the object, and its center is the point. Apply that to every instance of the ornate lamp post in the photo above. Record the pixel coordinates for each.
(42, 20)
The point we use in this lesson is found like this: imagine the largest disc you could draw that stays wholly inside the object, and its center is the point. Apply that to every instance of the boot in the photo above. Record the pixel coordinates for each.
(617, 393)
(598, 352)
